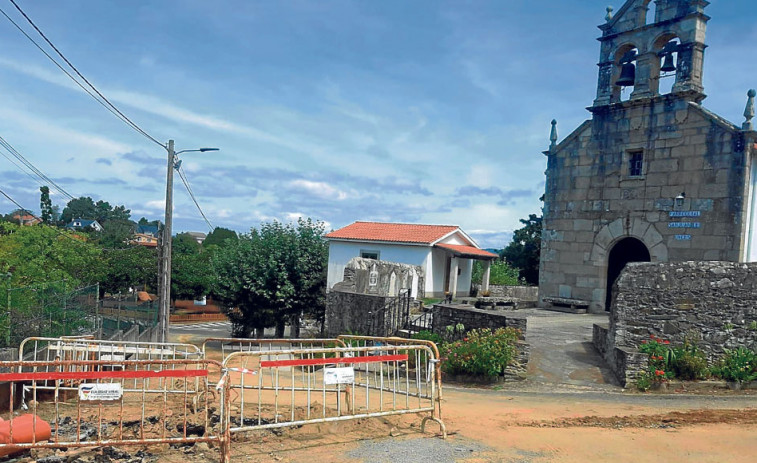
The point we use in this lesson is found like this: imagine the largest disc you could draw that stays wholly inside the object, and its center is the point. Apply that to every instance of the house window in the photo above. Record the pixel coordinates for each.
(369, 254)
(636, 164)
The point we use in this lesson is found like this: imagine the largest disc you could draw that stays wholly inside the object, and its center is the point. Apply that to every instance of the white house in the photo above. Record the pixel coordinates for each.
(445, 252)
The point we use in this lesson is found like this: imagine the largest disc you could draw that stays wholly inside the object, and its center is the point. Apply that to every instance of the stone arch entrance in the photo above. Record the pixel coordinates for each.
(624, 251)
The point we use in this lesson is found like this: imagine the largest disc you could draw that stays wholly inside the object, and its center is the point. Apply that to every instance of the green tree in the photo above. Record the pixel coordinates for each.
(273, 275)
(46, 205)
(102, 211)
(116, 234)
(42, 254)
(78, 208)
(523, 252)
(219, 236)
(191, 269)
(501, 273)
(128, 267)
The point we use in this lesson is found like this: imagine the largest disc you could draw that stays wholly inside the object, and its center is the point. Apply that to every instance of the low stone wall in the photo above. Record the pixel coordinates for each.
(348, 312)
(528, 295)
(713, 304)
(471, 318)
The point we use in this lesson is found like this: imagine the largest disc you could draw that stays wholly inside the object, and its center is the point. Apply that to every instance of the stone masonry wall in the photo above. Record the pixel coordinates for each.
(388, 280)
(713, 304)
(471, 318)
(446, 315)
(592, 201)
(348, 312)
(526, 294)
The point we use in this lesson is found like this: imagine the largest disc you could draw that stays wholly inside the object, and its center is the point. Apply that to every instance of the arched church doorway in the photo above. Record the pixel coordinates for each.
(625, 251)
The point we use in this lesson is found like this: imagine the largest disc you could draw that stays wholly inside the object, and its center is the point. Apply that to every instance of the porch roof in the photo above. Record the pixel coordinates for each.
(471, 252)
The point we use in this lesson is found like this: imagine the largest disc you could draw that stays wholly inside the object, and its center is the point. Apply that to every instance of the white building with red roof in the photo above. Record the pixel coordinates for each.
(445, 252)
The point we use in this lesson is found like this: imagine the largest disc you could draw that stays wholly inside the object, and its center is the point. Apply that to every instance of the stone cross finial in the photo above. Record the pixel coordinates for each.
(553, 135)
(749, 111)
(609, 14)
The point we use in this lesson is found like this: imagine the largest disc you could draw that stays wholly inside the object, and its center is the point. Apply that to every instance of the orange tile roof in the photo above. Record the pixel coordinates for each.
(392, 232)
(467, 251)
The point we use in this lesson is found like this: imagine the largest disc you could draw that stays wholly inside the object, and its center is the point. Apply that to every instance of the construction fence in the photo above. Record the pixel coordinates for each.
(142, 393)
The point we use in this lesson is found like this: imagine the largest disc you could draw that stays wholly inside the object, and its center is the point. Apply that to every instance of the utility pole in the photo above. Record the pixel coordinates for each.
(164, 312)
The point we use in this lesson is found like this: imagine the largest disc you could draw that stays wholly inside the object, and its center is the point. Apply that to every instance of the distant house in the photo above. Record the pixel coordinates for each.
(82, 224)
(25, 219)
(198, 236)
(145, 235)
(445, 252)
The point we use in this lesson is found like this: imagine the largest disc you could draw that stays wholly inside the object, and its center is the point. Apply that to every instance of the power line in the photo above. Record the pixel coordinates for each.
(83, 243)
(103, 100)
(185, 181)
(88, 91)
(32, 168)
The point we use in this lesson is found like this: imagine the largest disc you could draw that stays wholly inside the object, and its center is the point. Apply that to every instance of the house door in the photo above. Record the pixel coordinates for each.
(625, 251)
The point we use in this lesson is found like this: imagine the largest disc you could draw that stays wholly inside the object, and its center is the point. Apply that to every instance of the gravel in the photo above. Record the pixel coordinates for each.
(417, 450)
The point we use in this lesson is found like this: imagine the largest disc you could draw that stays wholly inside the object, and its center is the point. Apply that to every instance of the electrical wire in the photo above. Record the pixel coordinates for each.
(102, 99)
(185, 181)
(32, 168)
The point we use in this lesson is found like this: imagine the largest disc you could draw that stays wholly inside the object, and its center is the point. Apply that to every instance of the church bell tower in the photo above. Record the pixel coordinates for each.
(648, 41)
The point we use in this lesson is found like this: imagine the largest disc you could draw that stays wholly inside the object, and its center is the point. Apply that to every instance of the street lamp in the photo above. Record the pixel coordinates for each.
(164, 315)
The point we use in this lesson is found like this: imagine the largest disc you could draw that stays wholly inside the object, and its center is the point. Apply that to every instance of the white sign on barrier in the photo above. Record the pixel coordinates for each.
(100, 391)
(340, 375)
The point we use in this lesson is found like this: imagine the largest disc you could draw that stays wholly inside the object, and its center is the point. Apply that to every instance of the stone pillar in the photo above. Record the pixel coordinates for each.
(453, 266)
(487, 273)
(644, 66)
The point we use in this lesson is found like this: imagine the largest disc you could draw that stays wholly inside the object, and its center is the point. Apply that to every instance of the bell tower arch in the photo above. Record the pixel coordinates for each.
(649, 40)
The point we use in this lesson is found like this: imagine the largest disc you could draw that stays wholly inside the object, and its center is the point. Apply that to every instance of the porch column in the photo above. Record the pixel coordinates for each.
(453, 266)
(485, 278)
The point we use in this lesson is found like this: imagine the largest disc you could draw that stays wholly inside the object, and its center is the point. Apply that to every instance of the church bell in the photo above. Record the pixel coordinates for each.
(627, 75)
(668, 64)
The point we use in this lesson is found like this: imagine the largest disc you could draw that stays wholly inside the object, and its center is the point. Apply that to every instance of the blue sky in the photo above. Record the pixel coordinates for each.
(407, 111)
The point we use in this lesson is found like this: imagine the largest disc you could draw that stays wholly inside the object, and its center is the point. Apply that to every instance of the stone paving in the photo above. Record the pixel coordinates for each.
(562, 355)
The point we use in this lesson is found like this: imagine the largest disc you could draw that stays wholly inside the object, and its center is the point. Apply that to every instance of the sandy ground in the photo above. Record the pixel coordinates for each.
(543, 428)
(501, 425)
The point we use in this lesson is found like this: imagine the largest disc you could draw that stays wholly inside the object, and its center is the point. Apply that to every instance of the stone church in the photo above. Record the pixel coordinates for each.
(653, 175)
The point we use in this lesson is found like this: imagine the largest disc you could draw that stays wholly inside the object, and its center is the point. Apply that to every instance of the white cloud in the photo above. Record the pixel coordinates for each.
(159, 204)
(320, 189)
(61, 135)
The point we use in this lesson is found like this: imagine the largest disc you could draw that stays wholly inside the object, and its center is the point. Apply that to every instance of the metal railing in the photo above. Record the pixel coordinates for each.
(274, 389)
(113, 354)
(142, 402)
(432, 362)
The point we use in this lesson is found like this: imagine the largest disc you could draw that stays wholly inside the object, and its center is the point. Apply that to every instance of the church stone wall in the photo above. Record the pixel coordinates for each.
(592, 201)
(713, 304)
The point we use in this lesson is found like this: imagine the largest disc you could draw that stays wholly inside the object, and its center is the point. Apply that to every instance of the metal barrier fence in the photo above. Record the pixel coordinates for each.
(273, 389)
(230, 345)
(85, 348)
(368, 341)
(138, 403)
(112, 353)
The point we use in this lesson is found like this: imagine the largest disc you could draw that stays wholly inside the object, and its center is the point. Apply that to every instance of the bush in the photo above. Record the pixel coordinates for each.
(739, 365)
(658, 365)
(500, 273)
(481, 352)
(689, 363)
